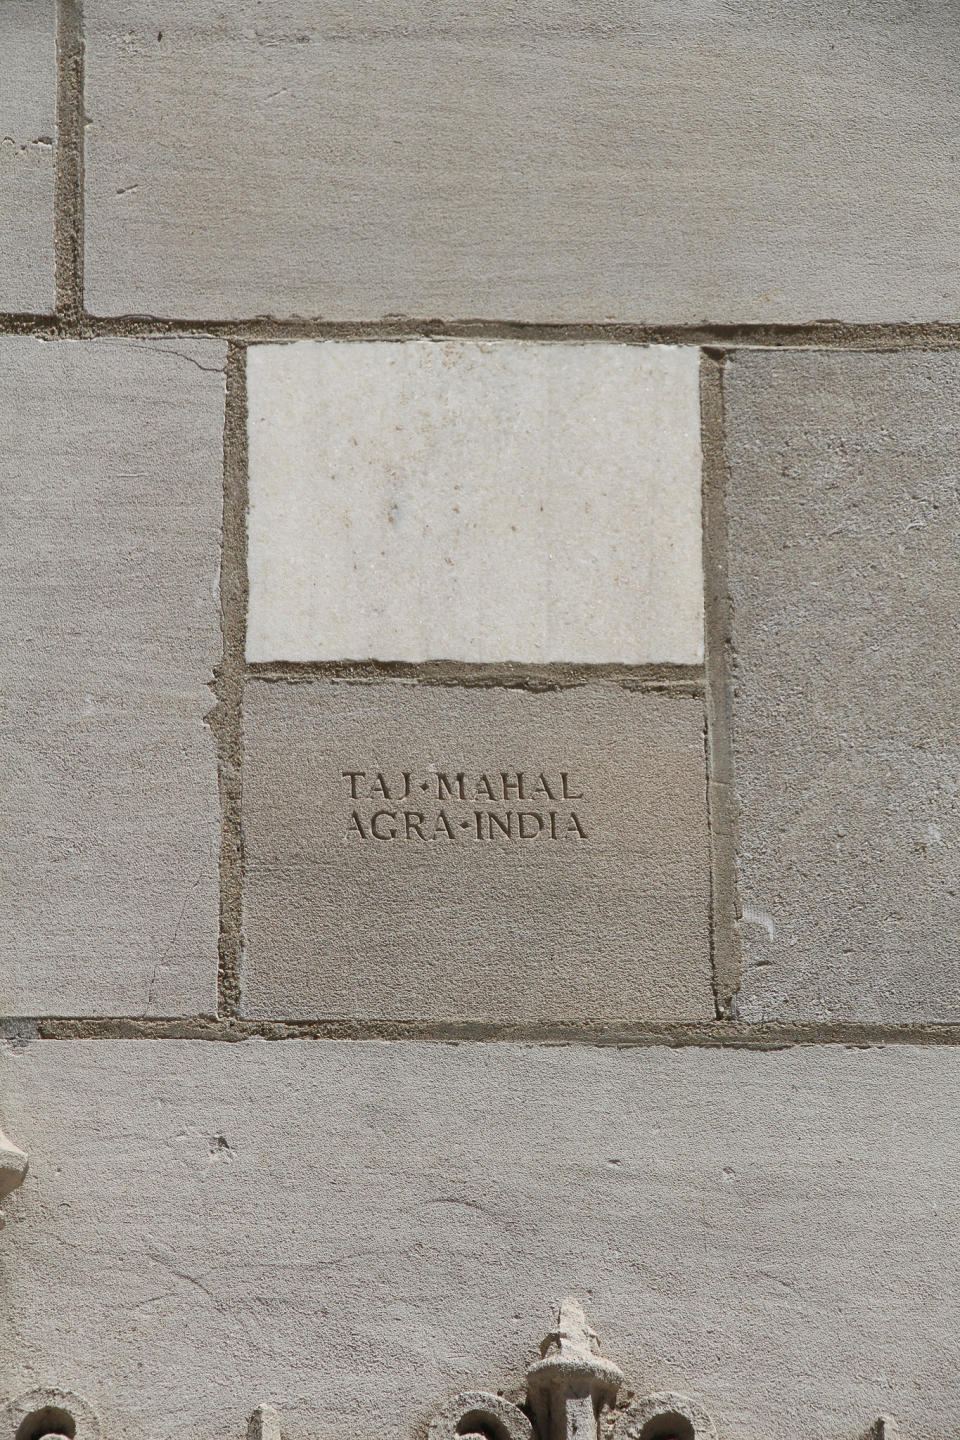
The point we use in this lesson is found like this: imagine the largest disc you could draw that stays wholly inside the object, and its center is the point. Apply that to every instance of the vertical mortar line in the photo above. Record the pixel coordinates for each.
(230, 678)
(68, 173)
(721, 799)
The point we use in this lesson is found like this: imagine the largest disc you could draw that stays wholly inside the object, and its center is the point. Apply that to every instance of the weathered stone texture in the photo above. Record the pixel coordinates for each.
(111, 475)
(351, 910)
(845, 576)
(468, 501)
(353, 1231)
(27, 133)
(770, 160)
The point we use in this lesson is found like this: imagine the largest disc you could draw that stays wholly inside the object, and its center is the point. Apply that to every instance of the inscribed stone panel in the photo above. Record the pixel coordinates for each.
(430, 852)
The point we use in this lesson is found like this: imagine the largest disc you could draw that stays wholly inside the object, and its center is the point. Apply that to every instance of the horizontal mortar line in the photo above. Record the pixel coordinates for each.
(706, 1034)
(515, 675)
(830, 334)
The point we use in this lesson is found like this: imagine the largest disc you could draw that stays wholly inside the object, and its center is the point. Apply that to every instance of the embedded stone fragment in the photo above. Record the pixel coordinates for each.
(844, 533)
(431, 852)
(28, 102)
(111, 477)
(764, 161)
(360, 1231)
(480, 502)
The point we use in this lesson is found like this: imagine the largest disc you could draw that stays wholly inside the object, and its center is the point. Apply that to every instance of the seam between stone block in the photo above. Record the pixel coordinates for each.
(229, 681)
(506, 675)
(68, 174)
(705, 1034)
(817, 335)
(721, 802)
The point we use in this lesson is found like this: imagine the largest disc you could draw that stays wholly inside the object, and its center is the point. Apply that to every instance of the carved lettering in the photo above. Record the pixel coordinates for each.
(447, 790)
(390, 833)
(542, 788)
(442, 792)
(484, 790)
(353, 776)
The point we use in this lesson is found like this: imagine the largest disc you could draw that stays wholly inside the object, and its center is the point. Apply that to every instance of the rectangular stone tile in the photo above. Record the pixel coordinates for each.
(468, 501)
(28, 105)
(111, 475)
(764, 161)
(423, 852)
(844, 574)
(355, 1231)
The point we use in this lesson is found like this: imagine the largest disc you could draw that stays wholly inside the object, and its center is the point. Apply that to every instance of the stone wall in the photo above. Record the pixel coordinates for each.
(481, 782)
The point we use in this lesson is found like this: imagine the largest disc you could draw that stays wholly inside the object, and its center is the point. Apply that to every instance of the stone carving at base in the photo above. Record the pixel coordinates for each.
(571, 1391)
(13, 1167)
(571, 1395)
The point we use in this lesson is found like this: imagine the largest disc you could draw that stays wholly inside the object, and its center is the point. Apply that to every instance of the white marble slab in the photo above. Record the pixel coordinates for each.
(474, 501)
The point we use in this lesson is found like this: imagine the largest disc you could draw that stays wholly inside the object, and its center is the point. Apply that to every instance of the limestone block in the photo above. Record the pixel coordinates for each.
(845, 576)
(28, 97)
(354, 1232)
(468, 501)
(430, 852)
(111, 474)
(770, 160)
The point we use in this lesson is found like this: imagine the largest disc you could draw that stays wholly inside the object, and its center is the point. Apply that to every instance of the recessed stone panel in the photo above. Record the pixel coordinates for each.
(423, 852)
(28, 105)
(845, 577)
(469, 501)
(639, 161)
(353, 1232)
(111, 475)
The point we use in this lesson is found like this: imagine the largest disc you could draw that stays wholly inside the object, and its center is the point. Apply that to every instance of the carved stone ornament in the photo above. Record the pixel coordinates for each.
(571, 1395)
(569, 1389)
(13, 1167)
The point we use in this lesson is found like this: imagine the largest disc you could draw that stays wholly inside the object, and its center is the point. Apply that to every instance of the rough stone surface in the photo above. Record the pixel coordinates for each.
(845, 573)
(765, 160)
(352, 1232)
(111, 476)
(469, 501)
(27, 133)
(352, 910)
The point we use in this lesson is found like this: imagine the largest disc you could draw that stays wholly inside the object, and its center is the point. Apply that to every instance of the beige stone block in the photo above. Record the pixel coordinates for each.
(423, 852)
(638, 161)
(111, 475)
(468, 501)
(353, 1232)
(844, 574)
(28, 96)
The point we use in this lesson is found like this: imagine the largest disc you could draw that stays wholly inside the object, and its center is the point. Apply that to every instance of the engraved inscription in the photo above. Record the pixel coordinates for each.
(477, 806)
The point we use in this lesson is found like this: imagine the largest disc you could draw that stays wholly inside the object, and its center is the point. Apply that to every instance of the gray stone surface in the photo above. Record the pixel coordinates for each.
(845, 576)
(111, 476)
(353, 1231)
(28, 95)
(467, 500)
(412, 908)
(726, 160)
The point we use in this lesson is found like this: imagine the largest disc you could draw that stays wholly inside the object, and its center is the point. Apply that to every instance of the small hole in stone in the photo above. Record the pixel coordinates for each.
(477, 1422)
(671, 1425)
(50, 1420)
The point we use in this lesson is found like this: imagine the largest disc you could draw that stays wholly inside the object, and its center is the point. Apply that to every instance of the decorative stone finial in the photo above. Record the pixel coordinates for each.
(572, 1381)
(264, 1424)
(13, 1167)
